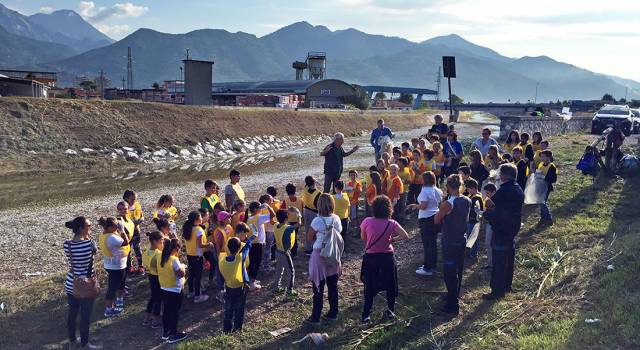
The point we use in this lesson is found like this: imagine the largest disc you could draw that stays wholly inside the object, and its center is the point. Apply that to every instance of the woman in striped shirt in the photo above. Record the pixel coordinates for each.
(79, 252)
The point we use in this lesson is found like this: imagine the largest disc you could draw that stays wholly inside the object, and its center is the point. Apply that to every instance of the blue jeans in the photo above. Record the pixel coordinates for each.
(545, 213)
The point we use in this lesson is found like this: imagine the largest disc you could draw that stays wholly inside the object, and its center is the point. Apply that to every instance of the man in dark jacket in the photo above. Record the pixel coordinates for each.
(505, 220)
(334, 155)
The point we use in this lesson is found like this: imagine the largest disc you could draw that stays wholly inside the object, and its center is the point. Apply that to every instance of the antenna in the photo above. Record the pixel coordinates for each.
(123, 82)
(129, 70)
(102, 83)
(187, 54)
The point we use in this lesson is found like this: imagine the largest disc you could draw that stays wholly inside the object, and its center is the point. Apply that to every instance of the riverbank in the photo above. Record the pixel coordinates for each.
(595, 227)
(43, 136)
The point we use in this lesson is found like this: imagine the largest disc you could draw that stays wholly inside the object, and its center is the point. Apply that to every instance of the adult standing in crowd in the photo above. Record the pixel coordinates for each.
(428, 203)
(79, 251)
(440, 128)
(379, 270)
(454, 152)
(378, 132)
(505, 220)
(233, 191)
(334, 155)
(454, 216)
(483, 143)
(324, 271)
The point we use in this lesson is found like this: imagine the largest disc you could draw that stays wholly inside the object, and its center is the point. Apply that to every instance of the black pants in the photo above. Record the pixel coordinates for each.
(195, 264)
(399, 208)
(294, 244)
(213, 263)
(414, 191)
(345, 230)
(379, 272)
(502, 273)
(234, 302)
(429, 234)
(115, 282)
(135, 246)
(155, 299)
(452, 265)
(318, 292)
(329, 182)
(171, 302)
(83, 307)
(255, 259)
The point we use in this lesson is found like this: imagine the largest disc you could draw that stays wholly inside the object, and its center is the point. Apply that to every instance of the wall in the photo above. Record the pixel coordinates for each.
(546, 125)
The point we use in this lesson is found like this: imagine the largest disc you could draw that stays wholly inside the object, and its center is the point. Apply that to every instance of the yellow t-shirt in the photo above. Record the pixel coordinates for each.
(407, 176)
(149, 260)
(167, 275)
(279, 232)
(192, 244)
(309, 198)
(232, 271)
(136, 213)
(342, 205)
(129, 228)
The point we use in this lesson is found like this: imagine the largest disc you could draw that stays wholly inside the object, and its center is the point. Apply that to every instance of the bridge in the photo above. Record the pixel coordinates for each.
(372, 89)
(497, 109)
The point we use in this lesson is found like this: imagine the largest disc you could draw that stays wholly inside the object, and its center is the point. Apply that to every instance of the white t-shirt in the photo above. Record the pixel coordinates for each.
(256, 223)
(320, 223)
(118, 260)
(200, 234)
(177, 266)
(432, 195)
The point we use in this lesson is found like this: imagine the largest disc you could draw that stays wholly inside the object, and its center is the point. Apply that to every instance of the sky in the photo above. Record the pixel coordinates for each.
(602, 36)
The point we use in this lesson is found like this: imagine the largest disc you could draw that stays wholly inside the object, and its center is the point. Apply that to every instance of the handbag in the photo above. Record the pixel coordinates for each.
(364, 256)
(84, 287)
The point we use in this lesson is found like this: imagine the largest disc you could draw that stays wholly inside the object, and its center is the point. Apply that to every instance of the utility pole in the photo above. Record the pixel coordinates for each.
(129, 70)
(102, 83)
(438, 82)
(187, 53)
(181, 73)
(535, 100)
(123, 81)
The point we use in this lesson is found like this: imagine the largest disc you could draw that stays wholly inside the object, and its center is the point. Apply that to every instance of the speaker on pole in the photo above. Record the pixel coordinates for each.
(449, 65)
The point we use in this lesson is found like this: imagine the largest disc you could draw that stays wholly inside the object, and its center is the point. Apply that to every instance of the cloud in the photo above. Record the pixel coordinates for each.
(393, 7)
(46, 9)
(90, 12)
(115, 29)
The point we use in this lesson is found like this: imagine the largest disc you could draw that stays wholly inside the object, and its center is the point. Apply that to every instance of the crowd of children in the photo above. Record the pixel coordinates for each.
(238, 241)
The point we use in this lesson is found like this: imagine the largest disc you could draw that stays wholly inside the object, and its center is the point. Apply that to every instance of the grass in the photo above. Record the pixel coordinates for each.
(596, 226)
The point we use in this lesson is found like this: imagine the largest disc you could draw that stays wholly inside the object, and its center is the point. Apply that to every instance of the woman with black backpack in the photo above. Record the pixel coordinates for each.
(379, 271)
(79, 251)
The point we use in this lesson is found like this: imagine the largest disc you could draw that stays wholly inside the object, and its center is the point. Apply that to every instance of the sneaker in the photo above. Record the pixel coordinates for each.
(126, 293)
(278, 290)
(330, 318)
(451, 310)
(390, 315)
(312, 322)
(132, 270)
(146, 321)
(174, 338)
(190, 295)
(366, 320)
(423, 272)
(254, 285)
(165, 336)
(308, 252)
(119, 304)
(201, 299)
(90, 346)
(292, 294)
(110, 312)
(141, 270)
(156, 324)
(491, 296)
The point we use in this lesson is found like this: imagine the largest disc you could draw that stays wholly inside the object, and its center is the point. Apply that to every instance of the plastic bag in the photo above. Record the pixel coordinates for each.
(471, 240)
(536, 190)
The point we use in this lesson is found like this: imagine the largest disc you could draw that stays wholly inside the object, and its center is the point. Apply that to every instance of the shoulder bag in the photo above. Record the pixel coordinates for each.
(84, 287)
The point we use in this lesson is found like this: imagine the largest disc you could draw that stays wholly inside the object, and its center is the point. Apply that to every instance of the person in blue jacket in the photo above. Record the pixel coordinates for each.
(381, 130)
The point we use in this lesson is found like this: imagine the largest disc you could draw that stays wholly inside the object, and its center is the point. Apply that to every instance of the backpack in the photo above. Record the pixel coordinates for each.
(588, 164)
(333, 244)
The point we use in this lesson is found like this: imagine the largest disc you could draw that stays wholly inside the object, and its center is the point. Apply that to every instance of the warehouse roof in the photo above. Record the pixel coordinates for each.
(276, 87)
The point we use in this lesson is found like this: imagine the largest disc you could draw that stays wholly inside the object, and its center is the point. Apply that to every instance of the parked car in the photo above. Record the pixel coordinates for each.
(636, 120)
(613, 115)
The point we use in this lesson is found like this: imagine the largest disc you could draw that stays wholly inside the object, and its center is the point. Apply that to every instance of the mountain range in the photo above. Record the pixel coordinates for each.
(352, 55)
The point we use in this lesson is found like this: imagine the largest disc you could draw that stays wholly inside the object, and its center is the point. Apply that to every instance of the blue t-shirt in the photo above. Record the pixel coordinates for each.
(456, 145)
(376, 133)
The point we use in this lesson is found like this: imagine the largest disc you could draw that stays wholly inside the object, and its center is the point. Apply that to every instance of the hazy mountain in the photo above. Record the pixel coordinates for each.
(353, 56)
(63, 27)
(72, 29)
(29, 52)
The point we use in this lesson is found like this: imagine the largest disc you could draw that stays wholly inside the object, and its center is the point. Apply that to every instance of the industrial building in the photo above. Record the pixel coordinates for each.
(326, 93)
(198, 76)
(22, 87)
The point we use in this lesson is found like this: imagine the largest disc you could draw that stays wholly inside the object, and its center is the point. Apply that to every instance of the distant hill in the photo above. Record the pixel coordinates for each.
(29, 52)
(353, 56)
(72, 29)
(61, 27)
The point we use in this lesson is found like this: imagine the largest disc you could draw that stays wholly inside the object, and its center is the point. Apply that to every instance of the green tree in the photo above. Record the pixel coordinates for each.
(88, 85)
(608, 98)
(406, 98)
(360, 99)
(455, 99)
(156, 86)
(380, 96)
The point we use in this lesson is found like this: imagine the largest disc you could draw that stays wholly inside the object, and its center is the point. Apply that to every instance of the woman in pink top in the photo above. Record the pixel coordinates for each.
(379, 271)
